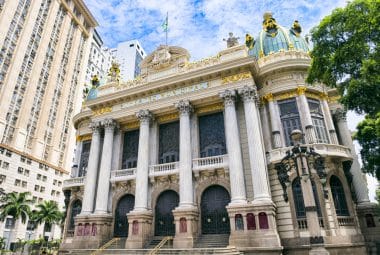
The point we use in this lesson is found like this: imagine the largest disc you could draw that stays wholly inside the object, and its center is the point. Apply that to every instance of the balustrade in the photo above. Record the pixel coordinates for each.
(73, 182)
(123, 174)
(346, 221)
(210, 163)
(164, 169)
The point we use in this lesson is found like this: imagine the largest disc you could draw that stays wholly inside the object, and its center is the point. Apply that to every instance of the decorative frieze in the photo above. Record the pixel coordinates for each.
(210, 108)
(236, 77)
(102, 111)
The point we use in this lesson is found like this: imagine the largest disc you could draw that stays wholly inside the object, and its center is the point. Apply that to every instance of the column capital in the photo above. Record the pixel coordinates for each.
(269, 97)
(301, 90)
(184, 107)
(95, 126)
(249, 94)
(340, 114)
(228, 96)
(144, 116)
(109, 124)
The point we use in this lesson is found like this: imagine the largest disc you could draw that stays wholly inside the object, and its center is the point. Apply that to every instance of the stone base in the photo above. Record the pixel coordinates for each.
(140, 229)
(186, 227)
(369, 221)
(91, 231)
(249, 234)
(318, 251)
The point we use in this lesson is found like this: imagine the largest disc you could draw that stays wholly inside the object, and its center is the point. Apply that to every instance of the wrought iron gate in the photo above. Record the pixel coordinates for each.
(124, 206)
(164, 219)
(213, 210)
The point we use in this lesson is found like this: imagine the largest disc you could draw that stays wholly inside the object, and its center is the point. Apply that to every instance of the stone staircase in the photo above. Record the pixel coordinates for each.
(205, 245)
(213, 241)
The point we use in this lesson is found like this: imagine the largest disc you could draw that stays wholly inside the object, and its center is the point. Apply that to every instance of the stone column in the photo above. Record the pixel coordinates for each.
(255, 145)
(276, 135)
(305, 115)
(185, 157)
(329, 121)
(92, 171)
(238, 193)
(142, 175)
(358, 181)
(105, 168)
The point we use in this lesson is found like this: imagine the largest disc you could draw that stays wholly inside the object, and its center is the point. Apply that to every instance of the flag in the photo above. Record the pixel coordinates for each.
(165, 24)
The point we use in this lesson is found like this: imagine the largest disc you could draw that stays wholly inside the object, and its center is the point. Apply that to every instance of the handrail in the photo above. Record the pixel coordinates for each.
(160, 244)
(106, 245)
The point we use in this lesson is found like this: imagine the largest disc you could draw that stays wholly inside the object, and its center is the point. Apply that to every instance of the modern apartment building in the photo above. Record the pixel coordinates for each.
(100, 59)
(129, 55)
(44, 49)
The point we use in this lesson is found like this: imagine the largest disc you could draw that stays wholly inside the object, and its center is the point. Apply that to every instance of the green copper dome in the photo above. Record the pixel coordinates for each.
(275, 38)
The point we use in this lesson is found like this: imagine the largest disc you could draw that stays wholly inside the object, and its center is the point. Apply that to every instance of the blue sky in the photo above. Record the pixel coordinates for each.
(198, 25)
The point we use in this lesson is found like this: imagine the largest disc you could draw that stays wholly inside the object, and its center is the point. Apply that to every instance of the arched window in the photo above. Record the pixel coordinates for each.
(239, 225)
(251, 223)
(75, 210)
(339, 197)
(298, 199)
(263, 220)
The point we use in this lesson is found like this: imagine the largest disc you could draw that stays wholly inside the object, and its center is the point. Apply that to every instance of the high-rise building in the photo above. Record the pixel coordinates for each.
(100, 59)
(129, 55)
(44, 48)
(235, 151)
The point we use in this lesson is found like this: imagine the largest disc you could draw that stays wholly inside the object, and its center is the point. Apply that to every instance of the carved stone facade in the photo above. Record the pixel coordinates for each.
(227, 122)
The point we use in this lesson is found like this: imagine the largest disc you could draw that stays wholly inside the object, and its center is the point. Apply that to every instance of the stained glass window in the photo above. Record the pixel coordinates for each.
(169, 142)
(130, 149)
(212, 141)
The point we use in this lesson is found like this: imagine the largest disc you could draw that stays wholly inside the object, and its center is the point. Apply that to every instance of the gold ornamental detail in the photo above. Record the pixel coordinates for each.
(210, 108)
(81, 138)
(268, 97)
(102, 111)
(168, 117)
(301, 90)
(334, 99)
(286, 95)
(132, 125)
(236, 77)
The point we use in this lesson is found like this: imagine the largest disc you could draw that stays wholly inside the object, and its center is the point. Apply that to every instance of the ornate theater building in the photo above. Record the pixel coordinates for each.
(236, 147)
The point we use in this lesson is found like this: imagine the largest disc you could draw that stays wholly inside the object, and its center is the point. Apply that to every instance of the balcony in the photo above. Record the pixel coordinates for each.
(164, 169)
(123, 175)
(73, 182)
(324, 149)
(210, 163)
(345, 221)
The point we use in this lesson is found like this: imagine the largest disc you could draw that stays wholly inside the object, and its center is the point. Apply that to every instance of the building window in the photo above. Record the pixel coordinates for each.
(299, 204)
(17, 183)
(36, 187)
(20, 170)
(85, 154)
(169, 142)
(318, 120)
(239, 225)
(251, 223)
(130, 149)
(26, 172)
(2, 178)
(5, 165)
(22, 159)
(370, 221)
(263, 220)
(339, 197)
(290, 118)
(212, 141)
(24, 184)
(9, 223)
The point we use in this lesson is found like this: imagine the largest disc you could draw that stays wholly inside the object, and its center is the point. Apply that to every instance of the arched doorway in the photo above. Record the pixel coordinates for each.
(164, 219)
(213, 210)
(124, 206)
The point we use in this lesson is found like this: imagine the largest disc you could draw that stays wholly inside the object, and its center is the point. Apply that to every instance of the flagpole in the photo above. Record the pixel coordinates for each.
(167, 28)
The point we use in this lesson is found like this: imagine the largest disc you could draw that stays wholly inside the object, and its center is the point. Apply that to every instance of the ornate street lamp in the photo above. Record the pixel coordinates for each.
(299, 159)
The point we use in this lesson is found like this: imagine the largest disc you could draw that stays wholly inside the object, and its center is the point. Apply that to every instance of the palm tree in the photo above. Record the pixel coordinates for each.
(16, 205)
(48, 213)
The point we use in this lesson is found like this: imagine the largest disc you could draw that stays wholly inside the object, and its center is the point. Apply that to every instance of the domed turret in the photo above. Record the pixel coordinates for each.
(275, 38)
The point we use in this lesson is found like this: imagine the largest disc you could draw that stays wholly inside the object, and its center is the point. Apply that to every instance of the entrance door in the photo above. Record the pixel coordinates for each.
(214, 213)
(124, 206)
(164, 219)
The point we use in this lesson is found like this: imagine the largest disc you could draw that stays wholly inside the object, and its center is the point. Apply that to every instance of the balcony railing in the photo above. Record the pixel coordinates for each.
(123, 174)
(346, 221)
(73, 182)
(164, 169)
(302, 223)
(210, 163)
(324, 149)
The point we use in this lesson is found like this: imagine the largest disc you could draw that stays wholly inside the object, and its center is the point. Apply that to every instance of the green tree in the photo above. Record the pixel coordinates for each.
(346, 56)
(47, 213)
(16, 205)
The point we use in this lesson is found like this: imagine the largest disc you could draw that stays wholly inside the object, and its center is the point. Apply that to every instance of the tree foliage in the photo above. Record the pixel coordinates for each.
(16, 205)
(346, 56)
(48, 213)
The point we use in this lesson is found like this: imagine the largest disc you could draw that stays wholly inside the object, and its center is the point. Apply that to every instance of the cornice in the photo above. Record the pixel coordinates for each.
(173, 81)
(90, 19)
